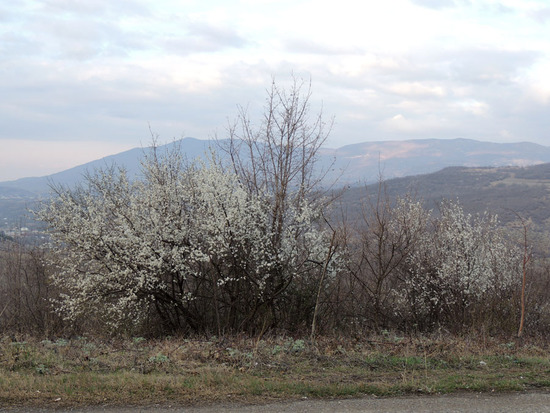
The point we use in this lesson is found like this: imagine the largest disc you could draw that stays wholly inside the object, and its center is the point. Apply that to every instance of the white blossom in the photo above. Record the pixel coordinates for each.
(183, 240)
(461, 260)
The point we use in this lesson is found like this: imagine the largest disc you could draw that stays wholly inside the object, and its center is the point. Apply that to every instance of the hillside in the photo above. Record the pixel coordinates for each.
(504, 191)
(364, 161)
(350, 164)
(483, 175)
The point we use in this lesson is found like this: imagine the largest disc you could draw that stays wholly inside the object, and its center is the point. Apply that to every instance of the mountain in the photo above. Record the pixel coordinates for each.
(130, 160)
(349, 165)
(357, 163)
(366, 161)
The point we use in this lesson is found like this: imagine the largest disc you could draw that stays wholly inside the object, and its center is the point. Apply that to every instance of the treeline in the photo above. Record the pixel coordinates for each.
(249, 242)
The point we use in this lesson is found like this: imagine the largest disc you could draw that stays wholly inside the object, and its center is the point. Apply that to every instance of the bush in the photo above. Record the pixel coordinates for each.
(25, 291)
(187, 244)
(412, 269)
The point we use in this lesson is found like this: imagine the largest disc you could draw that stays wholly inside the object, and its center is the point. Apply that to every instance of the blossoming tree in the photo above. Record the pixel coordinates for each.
(200, 246)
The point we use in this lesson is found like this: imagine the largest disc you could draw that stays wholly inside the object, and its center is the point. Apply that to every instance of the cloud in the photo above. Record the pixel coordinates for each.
(95, 9)
(474, 107)
(537, 82)
(541, 15)
(103, 71)
(310, 46)
(69, 30)
(417, 89)
(203, 37)
(426, 124)
(216, 34)
(488, 66)
(436, 4)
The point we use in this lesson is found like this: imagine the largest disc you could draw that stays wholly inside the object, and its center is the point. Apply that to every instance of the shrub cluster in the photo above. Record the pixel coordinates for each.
(411, 269)
(186, 245)
(26, 290)
(197, 254)
(248, 246)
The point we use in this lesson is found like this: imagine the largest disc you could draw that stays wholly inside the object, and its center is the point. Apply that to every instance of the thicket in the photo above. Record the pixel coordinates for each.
(26, 291)
(247, 243)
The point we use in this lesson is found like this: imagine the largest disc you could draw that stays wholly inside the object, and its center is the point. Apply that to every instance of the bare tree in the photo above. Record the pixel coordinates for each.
(276, 158)
(526, 259)
(378, 246)
(25, 290)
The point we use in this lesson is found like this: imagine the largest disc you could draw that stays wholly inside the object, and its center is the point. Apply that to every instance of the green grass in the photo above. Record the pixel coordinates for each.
(135, 371)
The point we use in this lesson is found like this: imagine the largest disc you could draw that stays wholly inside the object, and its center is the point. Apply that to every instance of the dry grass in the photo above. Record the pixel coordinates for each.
(85, 371)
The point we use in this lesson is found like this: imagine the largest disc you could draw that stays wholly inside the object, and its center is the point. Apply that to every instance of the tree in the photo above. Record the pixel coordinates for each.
(198, 246)
(277, 158)
(24, 290)
(460, 267)
(524, 267)
(378, 247)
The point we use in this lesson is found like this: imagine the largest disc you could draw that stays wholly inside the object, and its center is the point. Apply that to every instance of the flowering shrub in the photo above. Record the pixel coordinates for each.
(460, 264)
(410, 268)
(186, 243)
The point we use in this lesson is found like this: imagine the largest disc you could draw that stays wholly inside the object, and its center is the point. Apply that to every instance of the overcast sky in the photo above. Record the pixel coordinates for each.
(82, 79)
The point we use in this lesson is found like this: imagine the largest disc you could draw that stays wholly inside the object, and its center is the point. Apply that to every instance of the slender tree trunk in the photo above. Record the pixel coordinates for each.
(526, 259)
(330, 252)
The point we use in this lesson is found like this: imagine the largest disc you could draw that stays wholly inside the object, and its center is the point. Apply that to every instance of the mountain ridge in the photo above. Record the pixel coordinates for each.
(505, 190)
(354, 163)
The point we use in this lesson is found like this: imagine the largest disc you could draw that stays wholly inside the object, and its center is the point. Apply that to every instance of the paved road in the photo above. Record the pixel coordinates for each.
(468, 402)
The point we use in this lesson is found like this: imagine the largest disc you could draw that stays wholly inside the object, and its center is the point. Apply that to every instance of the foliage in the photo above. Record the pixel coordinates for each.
(462, 263)
(188, 243)
(413, 269)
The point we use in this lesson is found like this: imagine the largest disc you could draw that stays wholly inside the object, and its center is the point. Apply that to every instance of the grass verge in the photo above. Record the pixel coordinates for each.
(85, 371)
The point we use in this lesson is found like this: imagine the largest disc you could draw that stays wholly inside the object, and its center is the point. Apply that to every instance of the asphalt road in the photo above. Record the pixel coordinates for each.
(465, 402)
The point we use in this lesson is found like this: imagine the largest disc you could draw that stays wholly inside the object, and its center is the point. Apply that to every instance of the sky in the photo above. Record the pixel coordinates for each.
(83, 79)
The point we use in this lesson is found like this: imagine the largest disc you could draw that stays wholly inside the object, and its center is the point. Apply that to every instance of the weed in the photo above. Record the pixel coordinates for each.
(159, 359)
(289, 346)
(41, 369)
(61, 342)
(130, 372)
(137, 341)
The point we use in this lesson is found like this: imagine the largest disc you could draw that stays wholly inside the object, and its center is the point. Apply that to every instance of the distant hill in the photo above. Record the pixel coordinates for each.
(356, 164)
(363, 161)
(129, 159)
(16, 193)
(504, 191)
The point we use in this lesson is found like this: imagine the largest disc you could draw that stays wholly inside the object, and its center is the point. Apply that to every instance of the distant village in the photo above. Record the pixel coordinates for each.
(29, 232)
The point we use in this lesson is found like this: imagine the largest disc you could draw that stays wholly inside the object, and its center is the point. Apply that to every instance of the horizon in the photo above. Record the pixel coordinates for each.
(84, 80)
(160, 144)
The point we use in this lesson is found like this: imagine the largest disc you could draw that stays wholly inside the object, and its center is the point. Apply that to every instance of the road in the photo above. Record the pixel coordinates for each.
(465, 402)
